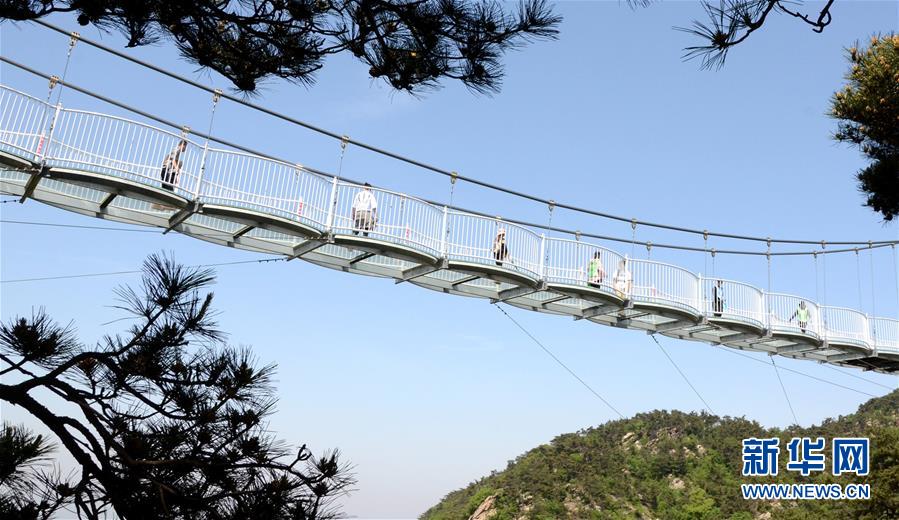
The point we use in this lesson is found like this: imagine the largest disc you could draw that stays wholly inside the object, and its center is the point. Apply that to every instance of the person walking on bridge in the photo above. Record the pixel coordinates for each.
(623, 281)
(802, 315)
(364, 211)
(595, 271)
(718, 298)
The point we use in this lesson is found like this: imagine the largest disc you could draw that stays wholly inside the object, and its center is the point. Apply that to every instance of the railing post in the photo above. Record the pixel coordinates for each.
(50, 131)
(202, 170)
(542, 269)
(700, 301)
(822, 322)
(333, 206)
(868, 336)
(446, 231)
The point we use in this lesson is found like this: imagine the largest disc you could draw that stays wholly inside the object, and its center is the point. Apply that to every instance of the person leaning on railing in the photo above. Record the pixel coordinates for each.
(500, 250)
(364, 211)
(171, 166)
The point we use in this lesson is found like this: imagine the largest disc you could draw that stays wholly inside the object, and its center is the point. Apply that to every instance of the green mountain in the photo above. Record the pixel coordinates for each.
(674, 465)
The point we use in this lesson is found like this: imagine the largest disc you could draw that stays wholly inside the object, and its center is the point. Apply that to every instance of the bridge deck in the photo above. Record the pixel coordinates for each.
(238, 200)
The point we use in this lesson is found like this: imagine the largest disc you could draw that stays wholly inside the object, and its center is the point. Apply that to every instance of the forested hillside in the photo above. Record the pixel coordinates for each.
(674, 465)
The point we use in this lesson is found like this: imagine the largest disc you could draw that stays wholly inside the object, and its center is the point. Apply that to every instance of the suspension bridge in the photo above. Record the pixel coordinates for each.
(119, 169)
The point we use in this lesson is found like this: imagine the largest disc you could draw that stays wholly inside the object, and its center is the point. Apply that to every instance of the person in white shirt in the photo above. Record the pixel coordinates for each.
(500, 251)
(365, 211)
(623, 281)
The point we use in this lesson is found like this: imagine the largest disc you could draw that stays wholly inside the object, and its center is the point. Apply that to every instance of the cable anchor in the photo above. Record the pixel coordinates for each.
(73, 39)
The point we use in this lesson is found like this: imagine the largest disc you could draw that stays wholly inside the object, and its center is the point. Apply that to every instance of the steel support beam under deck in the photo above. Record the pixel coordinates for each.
(306, 247)
(848, 356)
(795, 349)
(421, 270)
(182, 215)
(598, 310)
(465, 280)
(517, 292)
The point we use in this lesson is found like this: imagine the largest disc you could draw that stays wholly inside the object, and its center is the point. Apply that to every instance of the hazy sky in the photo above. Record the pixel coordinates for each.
(425, 392)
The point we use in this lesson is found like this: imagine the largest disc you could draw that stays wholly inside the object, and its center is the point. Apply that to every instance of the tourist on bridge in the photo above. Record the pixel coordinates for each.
(171, 166)
(365, 211)
(500, 250)
(718, 298)
(802, 315)
(623, 281)
(595, 271)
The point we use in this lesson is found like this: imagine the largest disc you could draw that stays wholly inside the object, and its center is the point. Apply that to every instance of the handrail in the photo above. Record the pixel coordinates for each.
(23, 94)
(131, 121)
(527, 247)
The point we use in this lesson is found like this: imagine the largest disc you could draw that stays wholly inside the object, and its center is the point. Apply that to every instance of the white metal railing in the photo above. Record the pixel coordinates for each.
(785, 313)
(660, 283)
(885, 334)
(572, 262)
(122, 148)
(733, 300)
(389, 216)
(118, 147)
(845, 325)
(472, 238)
(24, 121)
(248, 181)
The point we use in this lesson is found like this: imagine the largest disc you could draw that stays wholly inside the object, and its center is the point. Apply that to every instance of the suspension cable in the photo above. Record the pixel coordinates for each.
(873, 296)
(794, 371)
(858, 279)
(113, 273)
(896, 276)
(824, 279)
(705, 258)
(423, 165)
(633, 235)
(343, 143)
(73, 39)
(552, 206)
(559, 361)
(786, 395)
(634, 222)
(681, 372)
(817, 279)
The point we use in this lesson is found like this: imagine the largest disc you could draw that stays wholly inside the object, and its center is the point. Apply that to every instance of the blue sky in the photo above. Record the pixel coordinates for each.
(424, 392)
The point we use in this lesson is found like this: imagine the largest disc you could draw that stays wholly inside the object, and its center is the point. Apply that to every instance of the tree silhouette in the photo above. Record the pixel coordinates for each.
(868, 110)
(163, 421)
(27, 490)
(731, 22)
(411, 44)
